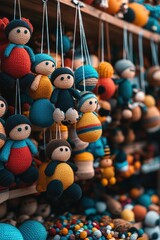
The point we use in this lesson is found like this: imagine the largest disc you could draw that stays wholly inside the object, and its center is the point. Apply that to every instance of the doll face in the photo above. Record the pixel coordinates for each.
(19, 35)
(45, 68)
(20, 132)
(106, 162)
(2, 108)
(128, 73)
(156, 76)
(43, 210)
(64, 81)
(61, 153)
(89, 105)
(28, 206)
(119, 137)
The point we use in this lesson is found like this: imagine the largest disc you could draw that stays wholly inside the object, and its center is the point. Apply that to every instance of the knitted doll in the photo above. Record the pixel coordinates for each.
(3, 110)
(126, 70)
(57, 176)
(41, 90)
(89, 127)
(63, 96)
(17, 56)
(16, 154)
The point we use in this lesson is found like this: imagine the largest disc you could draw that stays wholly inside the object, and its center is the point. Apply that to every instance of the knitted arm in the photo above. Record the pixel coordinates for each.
(54, 95)
(118, 81)
(51, 168)
(73, 166)
(75, 93)
(4, 155)
(9, 49)
(31, 146)
(30, 52)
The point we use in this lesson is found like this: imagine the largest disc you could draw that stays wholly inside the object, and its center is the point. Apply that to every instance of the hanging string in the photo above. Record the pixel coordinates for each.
(125, 44)
(102, 42)
(81, 46)
(15, 8)
(108, 42)
(59, 28)
(154, 53)
(131, 46)
(17, 98)
(99, 40)
(59, 131)
(141, 61)
(45, 18)
(74, 37)
(56, 131)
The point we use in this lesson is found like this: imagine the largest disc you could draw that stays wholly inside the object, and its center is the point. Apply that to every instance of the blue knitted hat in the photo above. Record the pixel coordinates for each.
(40, 57)
(17, 23)
(85, 96)
(15, 120)
(123, 64)
(66, 44)
(89, 72)
(59, 71)
(9, 232)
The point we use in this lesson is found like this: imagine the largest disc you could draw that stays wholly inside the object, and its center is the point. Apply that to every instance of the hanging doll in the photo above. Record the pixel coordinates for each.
(41, 90)
(3, 110)
(63, 96)
(89, 127)
(17, 57)
(126, 70)
(16, 154)
(57, 175)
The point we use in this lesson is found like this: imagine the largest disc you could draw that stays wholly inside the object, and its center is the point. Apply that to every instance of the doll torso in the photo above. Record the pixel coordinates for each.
(18, 64)
(65, 100)
(64, 173)
(20, 158)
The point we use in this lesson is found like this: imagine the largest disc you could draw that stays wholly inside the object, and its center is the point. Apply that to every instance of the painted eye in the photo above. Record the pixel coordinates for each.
(68, 77)
(95, 102)
(61, 149)
(66, 149)
(53, 65)
(62, 78)
(25, 31)
(18, 30)
(90, 102)
(2, 105)
(26, 127)
(47, 63)
(19, 129)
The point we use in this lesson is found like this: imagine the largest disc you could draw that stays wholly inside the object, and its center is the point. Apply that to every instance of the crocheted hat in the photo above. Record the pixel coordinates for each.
(123, 64)
(40, 57)
(15, 120)
(85, 96)
(55, 144)
(18, 23)
(59, 71)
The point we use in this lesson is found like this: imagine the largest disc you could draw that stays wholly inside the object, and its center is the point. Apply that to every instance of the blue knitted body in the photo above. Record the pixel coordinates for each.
(9, 232)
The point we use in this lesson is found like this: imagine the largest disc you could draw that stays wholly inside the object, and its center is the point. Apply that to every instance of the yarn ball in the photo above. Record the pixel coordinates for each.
(149, 101)
(105, 70)
(128, 215)
(153, 76)
(33, 230)
(9, 232)
(44, 89)
(105, 88)
(15, 120)
(151, 119)
(88, 74)
(89, 128)
(144, 200)
(41, 57)
(140, 212)
(152, 219)
(123, 64)
(113, 6)
(140, 14)
(66, 44)
(41, 113)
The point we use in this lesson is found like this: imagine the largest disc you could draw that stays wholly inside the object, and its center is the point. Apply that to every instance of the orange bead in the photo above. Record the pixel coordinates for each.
(83, 235)
(155, 199)
(64, 231)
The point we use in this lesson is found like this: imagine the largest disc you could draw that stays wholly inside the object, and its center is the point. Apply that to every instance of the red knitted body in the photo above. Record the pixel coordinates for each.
(18, 64)
(19, 161)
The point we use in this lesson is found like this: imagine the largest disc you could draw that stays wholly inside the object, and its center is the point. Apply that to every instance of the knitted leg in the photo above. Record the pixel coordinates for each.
(74, 192)
(6, 178)
(54, 189)
(26, 81)
(29, 176)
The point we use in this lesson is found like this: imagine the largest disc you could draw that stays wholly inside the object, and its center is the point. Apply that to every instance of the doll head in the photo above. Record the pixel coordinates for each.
(58, 149)
(44, 210)
(19, 31)
(62, 78)
(87, 102)
(3, 106)
(125, 68)
(28, 206)
(114, 6)
(44, 64)
(153, 76)
(18, 127)
(88, 74)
